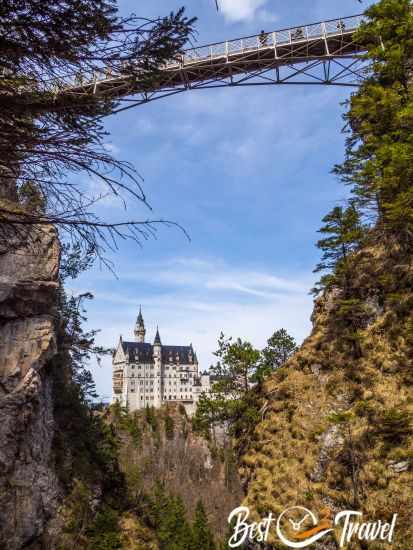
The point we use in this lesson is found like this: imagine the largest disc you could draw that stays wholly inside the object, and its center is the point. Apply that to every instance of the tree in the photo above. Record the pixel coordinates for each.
(280, 346)
(235, 367)
(232, 399)
(168, 517)
(47, 134)
(343, 234)
(379, 122)
(169, 426)
(78, 345)
(202, 536)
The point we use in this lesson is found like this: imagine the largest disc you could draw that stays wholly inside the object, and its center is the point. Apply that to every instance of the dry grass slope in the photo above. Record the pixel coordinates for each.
(337, 431)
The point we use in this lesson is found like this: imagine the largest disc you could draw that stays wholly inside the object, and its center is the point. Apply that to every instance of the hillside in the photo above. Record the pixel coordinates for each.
(158, 447)
(337, 431)
(337, 424)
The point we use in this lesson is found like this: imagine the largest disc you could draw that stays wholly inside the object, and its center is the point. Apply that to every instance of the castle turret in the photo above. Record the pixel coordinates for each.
(157, 359)
(140, 328)
(157, 344)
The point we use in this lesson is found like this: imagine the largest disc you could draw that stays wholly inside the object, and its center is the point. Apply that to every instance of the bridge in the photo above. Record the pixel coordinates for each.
(320, 53)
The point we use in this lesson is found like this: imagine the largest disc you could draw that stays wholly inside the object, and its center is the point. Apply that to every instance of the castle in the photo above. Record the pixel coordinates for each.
(154, 374)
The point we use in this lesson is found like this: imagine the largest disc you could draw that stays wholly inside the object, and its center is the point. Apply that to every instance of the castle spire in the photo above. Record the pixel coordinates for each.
(140, 328)
(157, 338)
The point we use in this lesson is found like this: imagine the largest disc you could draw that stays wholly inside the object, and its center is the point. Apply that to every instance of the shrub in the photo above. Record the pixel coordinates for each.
(169, 427)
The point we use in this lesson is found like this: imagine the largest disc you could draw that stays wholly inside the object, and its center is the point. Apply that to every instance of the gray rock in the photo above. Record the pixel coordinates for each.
(399, 467)
(330, 441)
(29, 488)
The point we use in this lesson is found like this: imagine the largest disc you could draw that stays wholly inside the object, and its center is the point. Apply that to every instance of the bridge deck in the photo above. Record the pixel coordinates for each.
(220, 63)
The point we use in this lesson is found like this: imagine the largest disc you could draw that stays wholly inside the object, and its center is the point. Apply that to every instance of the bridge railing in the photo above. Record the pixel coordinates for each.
(265, 40)
(262, 41)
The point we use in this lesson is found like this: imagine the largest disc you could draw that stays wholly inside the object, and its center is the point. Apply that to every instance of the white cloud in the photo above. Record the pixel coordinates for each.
(240, 10)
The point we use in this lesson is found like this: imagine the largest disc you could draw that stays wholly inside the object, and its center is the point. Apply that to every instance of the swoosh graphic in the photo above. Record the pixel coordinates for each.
(303, 543)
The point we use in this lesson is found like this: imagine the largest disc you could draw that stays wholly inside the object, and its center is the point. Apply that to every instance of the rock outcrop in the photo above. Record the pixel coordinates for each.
(29, 488)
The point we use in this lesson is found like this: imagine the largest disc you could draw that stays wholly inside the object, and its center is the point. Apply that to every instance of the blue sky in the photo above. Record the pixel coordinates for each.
(247, 173)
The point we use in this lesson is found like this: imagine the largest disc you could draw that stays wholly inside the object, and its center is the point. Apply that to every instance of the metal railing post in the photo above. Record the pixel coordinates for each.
(324, 31)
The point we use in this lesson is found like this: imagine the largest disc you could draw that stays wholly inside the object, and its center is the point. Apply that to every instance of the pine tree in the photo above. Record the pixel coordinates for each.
(280, 346)
(202, 535)
(344, 233)
(172, 527)
(232, 398)
(169, 426)
(379, 151)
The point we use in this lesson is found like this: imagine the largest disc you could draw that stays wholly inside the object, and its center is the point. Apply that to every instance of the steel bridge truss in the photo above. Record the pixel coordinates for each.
(322, 53)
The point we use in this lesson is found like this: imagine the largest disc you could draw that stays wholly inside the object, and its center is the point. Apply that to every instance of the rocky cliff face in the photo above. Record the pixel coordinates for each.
(29, 489)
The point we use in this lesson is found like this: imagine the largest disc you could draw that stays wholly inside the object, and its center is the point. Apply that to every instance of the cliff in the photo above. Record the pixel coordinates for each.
(29, 489)
(336, 429)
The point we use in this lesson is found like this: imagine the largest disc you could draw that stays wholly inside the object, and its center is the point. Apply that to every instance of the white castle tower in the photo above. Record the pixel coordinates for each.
(140, 328)
(153, 374)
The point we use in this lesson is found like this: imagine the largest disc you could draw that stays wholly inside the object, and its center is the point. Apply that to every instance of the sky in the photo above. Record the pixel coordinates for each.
(247, 173)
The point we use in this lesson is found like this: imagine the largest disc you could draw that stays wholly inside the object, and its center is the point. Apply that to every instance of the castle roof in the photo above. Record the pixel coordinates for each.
(157, 337)
(142, 352)
(139, 320)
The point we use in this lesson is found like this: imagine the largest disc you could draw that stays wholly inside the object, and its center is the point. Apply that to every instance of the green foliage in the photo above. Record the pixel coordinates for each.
(378, 168)
(379, 153)
(166, 514)
(344, 233)
(128, 422)
(78, 508)
(235, 395)
(151, 419)
(230, 465)
(169, 426)
(232, 398)
(95, 531)
(394, 426)
(340, 417)
(236, 365)
(82, 435)
(104, 532)
(280, 346)
(202, 535)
